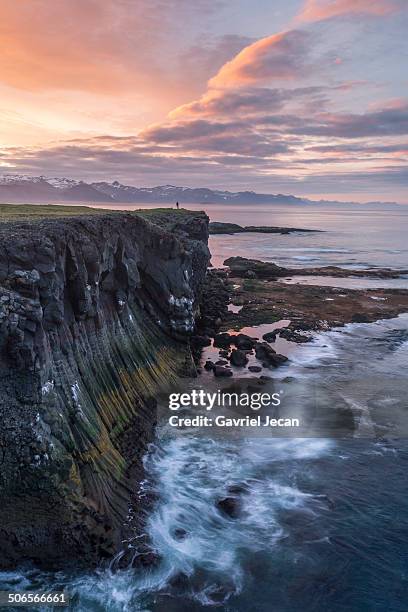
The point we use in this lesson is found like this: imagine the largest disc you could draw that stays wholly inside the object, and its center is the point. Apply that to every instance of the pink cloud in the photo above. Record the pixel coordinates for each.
(318, 10)
(280, 56)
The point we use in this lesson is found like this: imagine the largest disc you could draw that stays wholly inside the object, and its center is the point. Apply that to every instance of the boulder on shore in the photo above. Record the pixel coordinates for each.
(238, 358)
(244, 342)
(269, 357)
(223, 340)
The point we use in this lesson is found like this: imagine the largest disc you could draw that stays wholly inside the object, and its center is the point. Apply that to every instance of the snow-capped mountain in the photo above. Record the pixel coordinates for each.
(23, 188)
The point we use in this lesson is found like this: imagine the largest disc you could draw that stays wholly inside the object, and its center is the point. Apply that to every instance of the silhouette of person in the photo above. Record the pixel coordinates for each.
(177, 205)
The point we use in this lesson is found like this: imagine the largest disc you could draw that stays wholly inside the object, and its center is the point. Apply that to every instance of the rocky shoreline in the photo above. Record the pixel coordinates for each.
(218, 227)
(254, 287)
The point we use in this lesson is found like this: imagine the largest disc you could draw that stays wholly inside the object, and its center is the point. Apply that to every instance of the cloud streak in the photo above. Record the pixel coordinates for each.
(320, 10)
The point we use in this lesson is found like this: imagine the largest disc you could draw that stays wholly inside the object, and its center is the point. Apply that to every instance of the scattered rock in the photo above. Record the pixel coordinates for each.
(229, 506)
(244, 342)
(222, 371)
(223, 340)
(209, 365)
(269, 357)
(263, 350)
(254, 368)
(179, 534)
(292, 336)
(238, 358)
(271, 336)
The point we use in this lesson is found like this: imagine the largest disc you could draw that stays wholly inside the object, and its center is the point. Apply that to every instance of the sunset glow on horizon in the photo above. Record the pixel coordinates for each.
(307, 97)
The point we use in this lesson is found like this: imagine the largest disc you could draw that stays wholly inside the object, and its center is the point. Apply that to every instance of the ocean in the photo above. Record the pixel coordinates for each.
(324, 522)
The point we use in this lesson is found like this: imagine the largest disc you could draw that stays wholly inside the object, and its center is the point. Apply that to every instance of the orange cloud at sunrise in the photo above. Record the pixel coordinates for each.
(202, 93)
(275, 57)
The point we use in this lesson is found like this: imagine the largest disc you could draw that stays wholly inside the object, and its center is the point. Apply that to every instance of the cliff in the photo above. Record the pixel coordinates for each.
(95, 315)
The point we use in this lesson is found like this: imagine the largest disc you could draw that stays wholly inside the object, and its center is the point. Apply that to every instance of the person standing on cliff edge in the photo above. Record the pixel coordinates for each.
(177, 205)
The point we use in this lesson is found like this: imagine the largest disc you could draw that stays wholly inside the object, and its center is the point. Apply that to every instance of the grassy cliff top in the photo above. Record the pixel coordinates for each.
(33, 212)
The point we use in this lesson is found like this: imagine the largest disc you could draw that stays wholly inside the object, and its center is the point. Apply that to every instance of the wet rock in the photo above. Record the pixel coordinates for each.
(238, 358)
(263, 350)
(240, 268)
(222, 371)
(224, 354)
(269, 357)
(217, 227)
(271, 336)
(277, 360)
(221, 362)
(244, 342)
(201, 341)
(180, 582)
(360, 318)
(229, 506)
(223, 340)
(237, 489)
(180, 534)
(209, 365)
(293, 336)
(254, 368)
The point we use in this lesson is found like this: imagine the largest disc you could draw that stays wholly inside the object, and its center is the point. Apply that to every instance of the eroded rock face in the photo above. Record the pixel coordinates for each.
(95, 313)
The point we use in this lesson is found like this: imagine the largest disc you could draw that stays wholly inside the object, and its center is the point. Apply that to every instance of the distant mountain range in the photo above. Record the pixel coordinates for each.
(39, 189)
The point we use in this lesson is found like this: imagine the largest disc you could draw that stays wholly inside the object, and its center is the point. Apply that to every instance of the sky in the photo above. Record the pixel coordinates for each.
(307, 97)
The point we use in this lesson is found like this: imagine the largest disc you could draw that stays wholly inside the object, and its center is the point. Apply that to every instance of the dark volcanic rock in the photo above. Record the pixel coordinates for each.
(240, 267)
(262, 350)
(360, 318)
(217, 227)
(254, 368)
(214, 309)
(292, 336)
(269, 357)
(201, 341)
(230, 506)
(244, 342)
(223, 340)
(222, 371)
(238, 358)
(180, 534)
(209, 365)
(271, 336)
(95, 316)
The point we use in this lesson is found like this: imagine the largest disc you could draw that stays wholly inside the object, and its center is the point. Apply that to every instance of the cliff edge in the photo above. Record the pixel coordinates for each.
(95, 316)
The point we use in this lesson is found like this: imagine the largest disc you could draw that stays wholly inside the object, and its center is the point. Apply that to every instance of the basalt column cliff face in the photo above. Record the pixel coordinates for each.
(95, 314)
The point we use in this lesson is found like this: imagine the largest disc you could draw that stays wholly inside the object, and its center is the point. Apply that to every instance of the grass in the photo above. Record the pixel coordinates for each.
(11, 212)
(15, 212)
